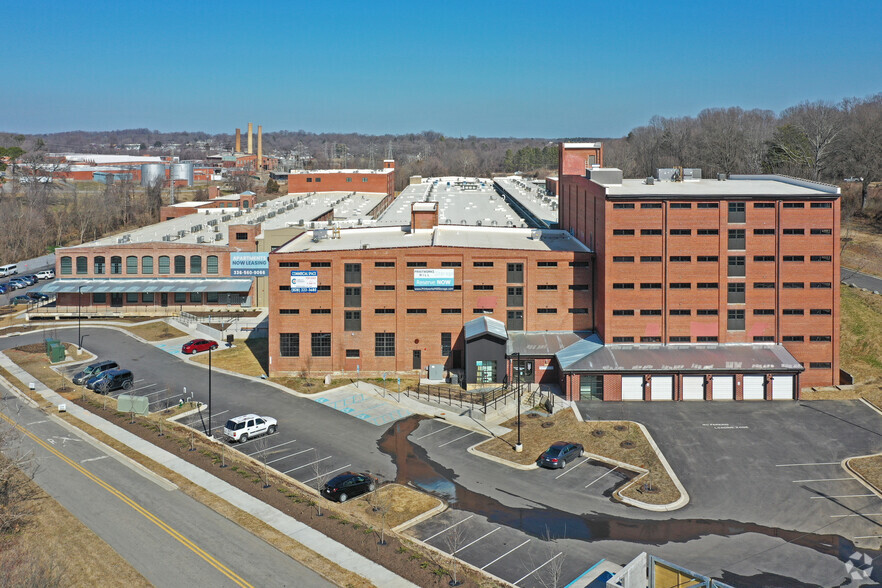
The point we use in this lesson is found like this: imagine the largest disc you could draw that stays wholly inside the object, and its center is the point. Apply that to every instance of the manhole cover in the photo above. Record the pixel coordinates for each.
(626, 444)
(620, 428)
(598, 433)
(546, 425)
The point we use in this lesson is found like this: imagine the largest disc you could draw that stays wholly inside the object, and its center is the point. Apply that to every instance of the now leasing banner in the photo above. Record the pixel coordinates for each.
(304, 282)
(432, 279)
(249, 264)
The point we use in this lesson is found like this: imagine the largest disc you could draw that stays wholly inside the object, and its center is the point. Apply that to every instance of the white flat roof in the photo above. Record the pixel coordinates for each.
(100, 159)
(756, 186)
(341, 171)
(542, 207)
(440, 236)
(582, 145)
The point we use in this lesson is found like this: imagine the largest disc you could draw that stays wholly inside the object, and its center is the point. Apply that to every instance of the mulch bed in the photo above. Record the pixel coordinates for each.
(410, 561)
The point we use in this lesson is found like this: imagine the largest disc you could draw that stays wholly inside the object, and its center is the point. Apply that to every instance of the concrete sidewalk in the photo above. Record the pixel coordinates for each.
(307, 536)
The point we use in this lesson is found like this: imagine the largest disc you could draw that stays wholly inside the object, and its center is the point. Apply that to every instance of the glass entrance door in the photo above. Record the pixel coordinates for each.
(486, 371)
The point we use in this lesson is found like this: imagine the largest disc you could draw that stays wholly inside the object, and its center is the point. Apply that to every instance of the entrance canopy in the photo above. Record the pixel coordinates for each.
(483, 326)
(548, 343)
(169, 285)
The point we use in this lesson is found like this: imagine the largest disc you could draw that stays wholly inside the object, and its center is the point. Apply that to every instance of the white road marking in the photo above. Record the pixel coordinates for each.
(275, 446)
(571, 469)
(539, 568)
(860, 514)
(457, 439)
(325, 474)
(308, 464)
(504, 554)
(842, 496)
(426, 540)
(825, 480)
(36, 423)
(93, 459)
(250, 439)
(433, 432)
(476, 540)
(791, 465)
(606, 474)
(287, 456)
(868, 537)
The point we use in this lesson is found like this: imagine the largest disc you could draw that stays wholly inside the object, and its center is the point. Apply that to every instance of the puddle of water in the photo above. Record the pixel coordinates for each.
(414, 467)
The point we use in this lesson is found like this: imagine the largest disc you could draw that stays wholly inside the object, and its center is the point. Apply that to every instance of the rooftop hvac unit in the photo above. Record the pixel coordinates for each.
(320, 234)
(218, 236)
(271, 214)
(195, 228)
(225, 218)
(479, 223)
(260, 219)
(238, 213)
(290, 205)
(650, 181)
(166, 237)
(181, 234)
(535, 234)
(359, 222)
(200, 239)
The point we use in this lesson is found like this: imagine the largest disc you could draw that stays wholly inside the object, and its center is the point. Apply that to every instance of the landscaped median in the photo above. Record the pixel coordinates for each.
(868, 470)
(623, 445)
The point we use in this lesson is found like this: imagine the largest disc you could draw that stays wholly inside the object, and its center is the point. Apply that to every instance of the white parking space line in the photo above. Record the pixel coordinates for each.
(842, 496)
(825, 480)
(793, 465)
(457, 439)
(307, 464)
(447, 529)
(433, 432)
(572, 468)
(325, 474)
(539, 568)
(251, 439)
(275, 446)
(860, 514)
(868, 537)
(476, 540)
(504, 554)
(596, 479)
(287, 456)
(143, 387)
(93, 459)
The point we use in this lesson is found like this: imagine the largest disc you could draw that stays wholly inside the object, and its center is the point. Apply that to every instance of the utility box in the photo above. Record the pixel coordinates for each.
(56, 352)
(49, 343)
(436, 371)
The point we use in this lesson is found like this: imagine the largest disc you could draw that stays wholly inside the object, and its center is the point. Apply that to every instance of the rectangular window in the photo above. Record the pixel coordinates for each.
(650, 205)
(735, 320)
(196, 297)
(623, 232)
(131, 298)
(289, 264)
(289, 311)
(764, 285)
(241, 236)
(623, 259)
(823, 285)
(764, 258)
(285, 288)
(793, 285)
(821, 258)
(680, 312)
(822, 231)
(707, 258)
(147, 297)
(289, 344)
(99, 298)
(681, 205)
(649, 285)
(482, 287)
(482, 310)
(623, 205)
(308, 180)
(623, 286)
(324, 288)
(763, 339)
(763, 311)
(416, 311)
(384, 264)
(680, 285)
(793, 338)
(764, 205)
(650, 339)
(793, 231)
(451, 311)
(482, 264)
(83, 265)
(353, 353)
(736, 293)
(707, 312)
(680, 339)
(620, 312)
(736, 212)
(793, 311)
(681, 258)
(352, 296)
(820, 338)
(822, 205)
(579, 287)
(820, 365)
(650, 232)
(180, 297)
(706, 339)
(384, 311)
(736, 266)
(352, 320)
(320, 311)
(764, 231)
(320, 264)
(515, 296)
(446, 344)
(451, 264)
(417, 264)
(321, 344)
(352, 273)
(515, 320)
(681, 232)
(546, 264)
(650, 312)
(793, 258)
(736, 239)
(708, 205)
(794, 205)
(707, 232)
(384, 287)
(546, 311)
(623, 339)
(546, 287)
(819, 311)
(650, 258)
(707, 286)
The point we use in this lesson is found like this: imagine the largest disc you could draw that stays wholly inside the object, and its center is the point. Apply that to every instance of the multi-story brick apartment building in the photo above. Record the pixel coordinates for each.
(745, 266)
(397, 298)
(381, 181)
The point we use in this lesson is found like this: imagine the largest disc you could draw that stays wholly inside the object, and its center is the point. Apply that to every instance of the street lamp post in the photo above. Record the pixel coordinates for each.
(79, 315)
(520, 446)
(209, 391)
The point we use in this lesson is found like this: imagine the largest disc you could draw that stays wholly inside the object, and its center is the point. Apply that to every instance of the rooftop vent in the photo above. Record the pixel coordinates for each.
(721, 177)
(181, 234)
(535, 234)
(166, 237)
(650, 181)
(200, 239)
(218, 236)
(195, 228)
(225, 218)
(238, 213)
(212, 222)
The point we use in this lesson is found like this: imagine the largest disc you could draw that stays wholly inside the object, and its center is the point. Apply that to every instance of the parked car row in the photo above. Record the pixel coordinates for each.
(104, 376)
(31, 297)
(24, 281)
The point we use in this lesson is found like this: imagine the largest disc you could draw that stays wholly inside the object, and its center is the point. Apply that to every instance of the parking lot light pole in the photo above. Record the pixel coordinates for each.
(79, 315)
(520, 446)
(209, 391)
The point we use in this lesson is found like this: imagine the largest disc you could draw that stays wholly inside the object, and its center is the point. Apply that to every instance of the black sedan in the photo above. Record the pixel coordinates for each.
(349, 485)
(37, 296)
(559, 454)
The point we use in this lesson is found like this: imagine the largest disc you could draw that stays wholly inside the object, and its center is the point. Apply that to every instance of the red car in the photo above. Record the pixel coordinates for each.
(197, 345)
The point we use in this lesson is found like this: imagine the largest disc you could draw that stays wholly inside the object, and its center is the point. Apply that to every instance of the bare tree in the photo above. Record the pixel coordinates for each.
(261, 444)
(549, 572)
(320, 478)
(861, 148)
(820, 123)
(380, 502)
(454, 540)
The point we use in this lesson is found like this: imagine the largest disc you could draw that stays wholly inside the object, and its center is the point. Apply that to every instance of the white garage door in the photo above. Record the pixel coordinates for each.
(753, 388)
(661, 388)
(782, 387)
(632, 387)
(724, 388)
(693, 387)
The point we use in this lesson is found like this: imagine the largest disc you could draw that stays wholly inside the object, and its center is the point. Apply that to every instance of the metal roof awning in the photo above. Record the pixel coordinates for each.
(484, 325)
(132, 285)
(545, 343)
(685, 358)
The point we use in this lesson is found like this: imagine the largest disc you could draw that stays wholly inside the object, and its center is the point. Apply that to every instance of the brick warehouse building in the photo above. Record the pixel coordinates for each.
(380, 181)
(374, 303)
(726, 288)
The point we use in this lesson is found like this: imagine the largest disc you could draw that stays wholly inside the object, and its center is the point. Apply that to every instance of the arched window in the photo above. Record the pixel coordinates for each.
(147, 264)
(82, 264)
(180, 264)
(132, 264)
(66, 266)
(211, 264)
(195, 264)
(116, 264)
(246, 204)
(98, 264)
(164, 266)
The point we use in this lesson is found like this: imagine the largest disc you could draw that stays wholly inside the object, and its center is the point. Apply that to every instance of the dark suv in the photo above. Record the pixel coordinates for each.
(114, 380)
(559, 454)
(93, 370)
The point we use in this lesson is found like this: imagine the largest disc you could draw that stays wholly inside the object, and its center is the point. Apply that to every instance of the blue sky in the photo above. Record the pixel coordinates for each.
(524, 69)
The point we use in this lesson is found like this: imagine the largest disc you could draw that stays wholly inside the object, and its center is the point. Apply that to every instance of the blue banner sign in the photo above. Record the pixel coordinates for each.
(304, 282)
(249, 264)
(432, 279)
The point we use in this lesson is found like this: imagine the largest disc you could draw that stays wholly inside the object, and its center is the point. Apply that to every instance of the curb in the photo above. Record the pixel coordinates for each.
(846, 465)
(677, 504)
(517, 466)
(421, 517)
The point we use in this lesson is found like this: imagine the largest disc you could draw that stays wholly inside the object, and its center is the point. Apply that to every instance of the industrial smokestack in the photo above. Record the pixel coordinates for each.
(250, 144)
(259, 146)
(238, 141)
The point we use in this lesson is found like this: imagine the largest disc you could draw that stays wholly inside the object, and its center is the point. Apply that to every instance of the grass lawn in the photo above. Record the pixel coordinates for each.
(158, 331)
(249, 357)
(398, 503)
(620, 440)
(316, 385)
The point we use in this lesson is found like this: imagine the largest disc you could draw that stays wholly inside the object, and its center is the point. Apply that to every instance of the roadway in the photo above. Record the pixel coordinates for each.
(860, 279)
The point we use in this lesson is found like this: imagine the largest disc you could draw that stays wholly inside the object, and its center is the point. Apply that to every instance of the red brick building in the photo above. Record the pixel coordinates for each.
(344, 180)
(745, 261)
